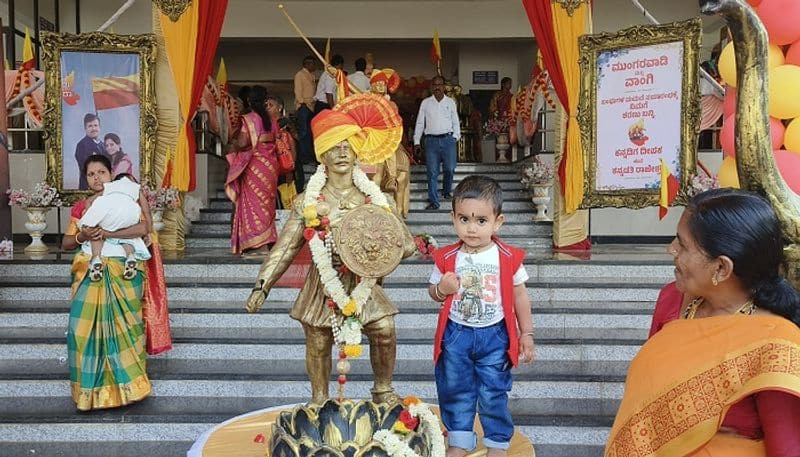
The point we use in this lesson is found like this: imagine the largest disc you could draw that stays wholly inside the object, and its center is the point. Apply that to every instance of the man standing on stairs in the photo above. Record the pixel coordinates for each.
(438, 121)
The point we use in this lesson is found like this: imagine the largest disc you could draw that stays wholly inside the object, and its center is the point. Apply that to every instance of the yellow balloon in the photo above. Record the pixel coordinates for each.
(728, 176)
(727, 62)
(784, 92)
(791, 139)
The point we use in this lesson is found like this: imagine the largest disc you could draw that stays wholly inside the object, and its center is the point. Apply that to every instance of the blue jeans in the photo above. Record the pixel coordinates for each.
(474, 370)
(440, 150)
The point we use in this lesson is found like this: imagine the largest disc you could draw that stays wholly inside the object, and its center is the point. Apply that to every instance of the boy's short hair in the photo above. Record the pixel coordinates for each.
(482, 188)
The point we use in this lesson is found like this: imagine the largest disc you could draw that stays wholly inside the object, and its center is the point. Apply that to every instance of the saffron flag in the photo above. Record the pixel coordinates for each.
(222, 75)
(436, 49)
(669, 190)
(115, 91)
(328, 52)
(342, 86)
(28, 59)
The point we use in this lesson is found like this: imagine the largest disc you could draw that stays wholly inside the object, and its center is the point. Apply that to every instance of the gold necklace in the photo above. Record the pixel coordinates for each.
(340, 196)
(747, 308)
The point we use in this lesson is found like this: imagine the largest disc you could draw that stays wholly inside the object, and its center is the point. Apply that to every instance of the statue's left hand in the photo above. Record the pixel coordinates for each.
(256, 299)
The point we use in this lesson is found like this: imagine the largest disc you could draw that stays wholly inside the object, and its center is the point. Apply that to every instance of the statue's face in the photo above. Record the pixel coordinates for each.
(379, 87)
(340, 158)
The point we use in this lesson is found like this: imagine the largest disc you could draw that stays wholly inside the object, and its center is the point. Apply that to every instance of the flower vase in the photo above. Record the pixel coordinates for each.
(502, 147)
(540, 198)
(36, 225)
(158, 219)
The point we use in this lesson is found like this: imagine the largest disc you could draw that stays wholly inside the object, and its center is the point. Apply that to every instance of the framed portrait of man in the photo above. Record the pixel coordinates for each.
(99, 100)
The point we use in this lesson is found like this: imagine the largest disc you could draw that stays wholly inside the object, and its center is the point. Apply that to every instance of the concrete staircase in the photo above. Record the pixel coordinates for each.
(590, 318)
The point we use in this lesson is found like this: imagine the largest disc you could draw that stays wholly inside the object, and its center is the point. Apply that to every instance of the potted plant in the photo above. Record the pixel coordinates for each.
(537, 176)
(36, 204)
(498, 127)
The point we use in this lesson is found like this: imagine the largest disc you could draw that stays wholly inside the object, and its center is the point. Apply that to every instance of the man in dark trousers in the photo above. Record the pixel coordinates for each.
(89, 145)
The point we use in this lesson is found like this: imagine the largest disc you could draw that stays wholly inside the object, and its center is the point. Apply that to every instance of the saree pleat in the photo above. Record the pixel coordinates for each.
(105, 339)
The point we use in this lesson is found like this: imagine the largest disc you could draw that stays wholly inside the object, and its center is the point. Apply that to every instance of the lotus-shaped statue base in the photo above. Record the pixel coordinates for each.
(338, 429)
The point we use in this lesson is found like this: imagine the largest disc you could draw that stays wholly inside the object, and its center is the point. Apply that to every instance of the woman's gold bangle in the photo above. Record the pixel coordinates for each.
(78, 242)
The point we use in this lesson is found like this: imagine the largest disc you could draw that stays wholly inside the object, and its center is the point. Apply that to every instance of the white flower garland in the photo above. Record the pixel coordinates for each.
(395, 446)
(347, 332)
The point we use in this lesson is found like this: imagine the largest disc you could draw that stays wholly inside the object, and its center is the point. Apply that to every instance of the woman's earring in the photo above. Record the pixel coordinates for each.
(714, 280)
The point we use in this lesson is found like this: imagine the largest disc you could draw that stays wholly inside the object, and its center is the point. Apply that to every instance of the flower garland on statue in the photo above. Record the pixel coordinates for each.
(347, 331)
(416, 416)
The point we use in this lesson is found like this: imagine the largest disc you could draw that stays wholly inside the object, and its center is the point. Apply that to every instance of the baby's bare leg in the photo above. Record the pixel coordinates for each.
(128, 249)
(97, 248)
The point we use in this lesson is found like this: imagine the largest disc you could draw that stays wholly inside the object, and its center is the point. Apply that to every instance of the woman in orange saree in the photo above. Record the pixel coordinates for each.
(252, 180)
(720, 375)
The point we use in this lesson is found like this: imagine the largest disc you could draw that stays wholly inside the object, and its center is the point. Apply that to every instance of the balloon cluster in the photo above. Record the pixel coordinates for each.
(781, 18)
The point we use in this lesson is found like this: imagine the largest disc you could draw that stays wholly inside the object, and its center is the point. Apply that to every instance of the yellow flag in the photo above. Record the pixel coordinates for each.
(28, 60)
(222, 73)
(328, 51)
(436, 49)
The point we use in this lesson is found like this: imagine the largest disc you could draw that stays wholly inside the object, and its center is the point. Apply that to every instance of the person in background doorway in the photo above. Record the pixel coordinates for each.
(438, 121)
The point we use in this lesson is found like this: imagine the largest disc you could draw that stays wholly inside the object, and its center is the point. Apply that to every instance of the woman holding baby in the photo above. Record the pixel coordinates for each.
(106, 335)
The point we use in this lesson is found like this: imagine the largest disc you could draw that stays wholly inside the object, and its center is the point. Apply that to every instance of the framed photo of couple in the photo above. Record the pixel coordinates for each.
(99, 100)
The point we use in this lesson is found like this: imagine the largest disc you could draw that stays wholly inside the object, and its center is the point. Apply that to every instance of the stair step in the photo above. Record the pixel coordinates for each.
(241, 269)
(418, 327)
(416, 204)
(424, 307)
(180, 289)
(443, 228)
(412, 359)
(225, 397)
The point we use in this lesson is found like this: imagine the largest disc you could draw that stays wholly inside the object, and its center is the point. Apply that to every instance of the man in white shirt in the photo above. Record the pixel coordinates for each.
(359, 80)
(326, 86)
(438, 121)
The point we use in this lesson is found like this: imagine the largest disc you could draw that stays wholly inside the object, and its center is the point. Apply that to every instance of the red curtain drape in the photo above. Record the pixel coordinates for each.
(540, 15)
(211, 15)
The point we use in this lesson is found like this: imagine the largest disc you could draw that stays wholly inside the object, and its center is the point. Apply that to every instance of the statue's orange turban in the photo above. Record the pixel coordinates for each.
(388, 76)
(368, 122)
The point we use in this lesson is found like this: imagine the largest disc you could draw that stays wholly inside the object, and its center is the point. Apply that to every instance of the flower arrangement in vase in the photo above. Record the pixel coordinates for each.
(496, 126)
(36, 204)
(701, 182)
(159, 200)
(538, 177)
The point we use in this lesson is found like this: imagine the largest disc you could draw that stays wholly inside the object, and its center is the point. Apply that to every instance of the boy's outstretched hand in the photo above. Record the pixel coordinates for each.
(526, 348)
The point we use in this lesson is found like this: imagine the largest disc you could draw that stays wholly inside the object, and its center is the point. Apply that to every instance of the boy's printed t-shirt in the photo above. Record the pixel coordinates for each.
(478, 302)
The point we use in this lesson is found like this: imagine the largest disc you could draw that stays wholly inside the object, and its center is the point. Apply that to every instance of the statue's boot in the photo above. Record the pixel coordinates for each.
(382, 354)
(319, 341)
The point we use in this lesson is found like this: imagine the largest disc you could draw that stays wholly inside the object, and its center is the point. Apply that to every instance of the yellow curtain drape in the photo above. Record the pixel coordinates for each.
(569, 229)
(180, 39)
(568, 28)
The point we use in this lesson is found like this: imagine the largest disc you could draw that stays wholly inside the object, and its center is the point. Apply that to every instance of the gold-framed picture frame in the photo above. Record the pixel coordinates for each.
(630, 116)
(99, 100)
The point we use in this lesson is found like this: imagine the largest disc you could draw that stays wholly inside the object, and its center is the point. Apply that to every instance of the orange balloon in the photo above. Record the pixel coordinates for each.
(728, 176)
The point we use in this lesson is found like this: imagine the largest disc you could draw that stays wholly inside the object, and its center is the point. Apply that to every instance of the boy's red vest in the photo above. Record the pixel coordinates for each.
(510, 260)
